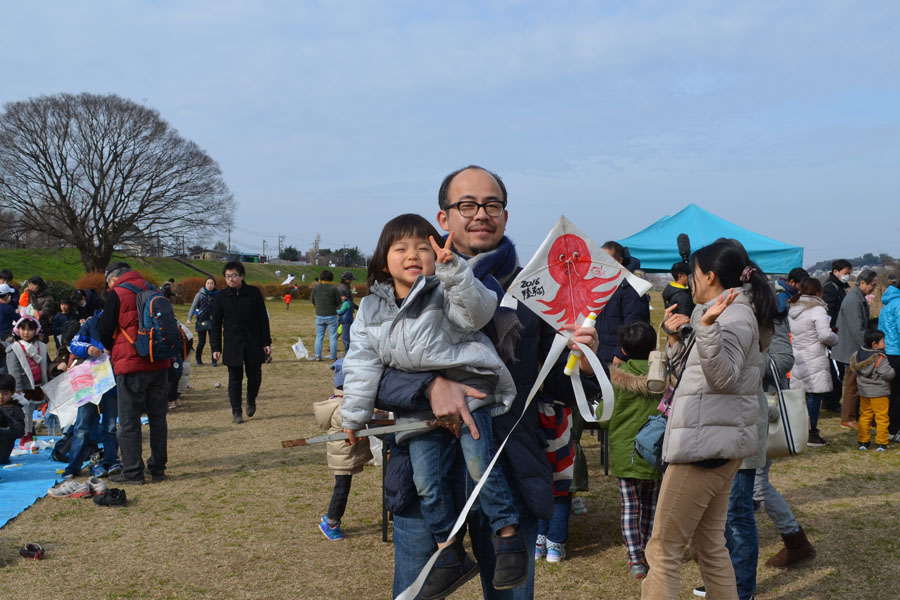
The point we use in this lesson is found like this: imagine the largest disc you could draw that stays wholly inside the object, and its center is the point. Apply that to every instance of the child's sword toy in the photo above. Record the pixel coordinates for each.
(414, 426)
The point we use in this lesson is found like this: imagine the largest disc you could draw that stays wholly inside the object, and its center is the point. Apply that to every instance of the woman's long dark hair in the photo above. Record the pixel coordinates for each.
(727, 258)
(408, 225)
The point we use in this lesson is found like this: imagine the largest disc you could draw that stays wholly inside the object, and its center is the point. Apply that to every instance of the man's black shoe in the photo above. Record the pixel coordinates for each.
(452, 569)
(120, 478)
(156, 476)
(237, 419)
(251, 408)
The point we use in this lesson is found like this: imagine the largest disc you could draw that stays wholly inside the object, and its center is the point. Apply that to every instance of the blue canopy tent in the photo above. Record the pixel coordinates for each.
(657, 250)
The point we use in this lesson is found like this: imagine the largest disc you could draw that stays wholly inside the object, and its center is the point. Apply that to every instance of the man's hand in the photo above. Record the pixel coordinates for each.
(267, 350)
(448, 399)
(217, 356)
(94, 351)
(588, 337)
(445, 254)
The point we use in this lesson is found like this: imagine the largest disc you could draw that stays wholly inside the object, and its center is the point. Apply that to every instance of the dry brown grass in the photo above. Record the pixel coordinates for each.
(237, 517)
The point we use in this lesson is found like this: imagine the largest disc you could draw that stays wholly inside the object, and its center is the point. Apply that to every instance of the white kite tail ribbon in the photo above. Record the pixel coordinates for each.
(559, 344)
(587, 413)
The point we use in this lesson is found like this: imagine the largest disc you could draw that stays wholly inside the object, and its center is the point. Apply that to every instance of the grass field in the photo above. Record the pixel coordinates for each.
(237, 516)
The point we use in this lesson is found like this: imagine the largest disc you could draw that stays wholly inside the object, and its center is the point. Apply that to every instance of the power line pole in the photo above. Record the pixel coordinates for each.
(264, 248)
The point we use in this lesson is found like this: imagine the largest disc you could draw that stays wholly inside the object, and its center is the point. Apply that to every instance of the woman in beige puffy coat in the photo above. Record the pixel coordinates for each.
(811, 336)
(712, 425)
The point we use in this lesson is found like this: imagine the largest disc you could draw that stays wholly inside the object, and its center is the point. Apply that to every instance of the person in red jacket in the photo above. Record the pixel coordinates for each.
(141, 384)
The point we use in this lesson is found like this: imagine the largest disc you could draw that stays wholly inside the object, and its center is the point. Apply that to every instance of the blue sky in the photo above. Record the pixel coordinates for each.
(332, 118)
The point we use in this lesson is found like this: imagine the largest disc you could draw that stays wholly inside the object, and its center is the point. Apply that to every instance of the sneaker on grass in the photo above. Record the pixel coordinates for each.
(815, 440)
(70, 489)
(332, 533)
(540, 547)
(114, 469)
(638, 570)
(98, 470)
(700, 591)
(578, 506)
(97, 486)
(555, 551)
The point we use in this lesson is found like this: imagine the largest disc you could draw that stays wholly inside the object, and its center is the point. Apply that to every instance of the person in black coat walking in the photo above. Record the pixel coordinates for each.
(241, 312)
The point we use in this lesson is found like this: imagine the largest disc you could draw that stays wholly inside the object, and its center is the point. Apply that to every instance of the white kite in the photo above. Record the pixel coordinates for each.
(288, 281)
(568, 278)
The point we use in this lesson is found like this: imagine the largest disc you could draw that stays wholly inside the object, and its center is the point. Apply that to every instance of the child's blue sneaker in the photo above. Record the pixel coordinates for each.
(98, 470)
(864, 445)
(540, 547)
(332, 533)
(882, 447)
(115, 468)
(556, 551)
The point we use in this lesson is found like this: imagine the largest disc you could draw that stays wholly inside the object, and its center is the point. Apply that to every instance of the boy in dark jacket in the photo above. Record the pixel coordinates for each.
(678, 292)
(873, 379)
(58, 322)
(12, 419)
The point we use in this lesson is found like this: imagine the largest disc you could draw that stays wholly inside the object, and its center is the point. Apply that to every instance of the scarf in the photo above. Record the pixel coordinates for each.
(496, 269)
(32, 351)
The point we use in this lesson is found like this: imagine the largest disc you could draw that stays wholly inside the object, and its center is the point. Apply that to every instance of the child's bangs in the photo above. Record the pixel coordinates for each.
(409, 226)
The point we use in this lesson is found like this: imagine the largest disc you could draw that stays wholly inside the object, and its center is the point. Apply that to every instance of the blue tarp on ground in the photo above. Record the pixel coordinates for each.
(20, 487)
(656, 246)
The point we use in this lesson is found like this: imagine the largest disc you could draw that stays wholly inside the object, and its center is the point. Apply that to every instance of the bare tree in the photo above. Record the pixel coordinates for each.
(92, 170)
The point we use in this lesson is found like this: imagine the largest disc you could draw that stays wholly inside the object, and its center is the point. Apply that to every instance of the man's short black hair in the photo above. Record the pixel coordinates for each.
(7, 275)
(798, 274)
(233, 265)
(637, 339)
(841, 264)
(7, 383)
(326, 275)
(445, 185)
(872, 337)
(680, 268)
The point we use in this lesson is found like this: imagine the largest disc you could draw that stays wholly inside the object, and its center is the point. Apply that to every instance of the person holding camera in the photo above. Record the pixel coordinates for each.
(713, 423)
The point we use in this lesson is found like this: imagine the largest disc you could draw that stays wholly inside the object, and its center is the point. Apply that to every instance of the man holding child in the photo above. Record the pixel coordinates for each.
(472, 204)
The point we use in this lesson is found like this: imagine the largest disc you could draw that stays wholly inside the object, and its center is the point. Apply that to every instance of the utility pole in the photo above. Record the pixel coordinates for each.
(229, 239)
(264, 247)
(280, 244)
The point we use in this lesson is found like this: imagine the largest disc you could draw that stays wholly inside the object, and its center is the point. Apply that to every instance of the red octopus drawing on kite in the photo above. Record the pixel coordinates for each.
(569, 263)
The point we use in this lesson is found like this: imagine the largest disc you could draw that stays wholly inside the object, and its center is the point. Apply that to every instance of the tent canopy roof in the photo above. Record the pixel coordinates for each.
(657, 249)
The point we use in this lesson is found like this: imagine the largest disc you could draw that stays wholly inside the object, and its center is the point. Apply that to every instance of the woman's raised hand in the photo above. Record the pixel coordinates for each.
(445, 254)
(722, 302)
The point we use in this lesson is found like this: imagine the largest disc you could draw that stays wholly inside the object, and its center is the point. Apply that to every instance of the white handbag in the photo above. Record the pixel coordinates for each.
(787, 435)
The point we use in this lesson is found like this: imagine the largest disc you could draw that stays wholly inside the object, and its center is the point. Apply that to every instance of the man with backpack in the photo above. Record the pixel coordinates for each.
(141, 370)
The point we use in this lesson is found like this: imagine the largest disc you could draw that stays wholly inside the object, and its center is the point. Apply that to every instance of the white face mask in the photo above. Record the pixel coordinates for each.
(845, 278)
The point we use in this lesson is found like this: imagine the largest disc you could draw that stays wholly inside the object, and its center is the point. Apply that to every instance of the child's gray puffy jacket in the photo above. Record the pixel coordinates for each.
(436, 329)
(873, 373)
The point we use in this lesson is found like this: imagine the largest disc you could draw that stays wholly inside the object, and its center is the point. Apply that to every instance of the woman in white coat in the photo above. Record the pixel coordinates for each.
(811, 337)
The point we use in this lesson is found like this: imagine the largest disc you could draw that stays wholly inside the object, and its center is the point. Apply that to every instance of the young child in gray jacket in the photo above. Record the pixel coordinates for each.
(873, 379)
(423, 313)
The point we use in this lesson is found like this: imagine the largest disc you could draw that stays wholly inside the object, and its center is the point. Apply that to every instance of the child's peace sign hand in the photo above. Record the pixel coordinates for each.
(445, 254)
